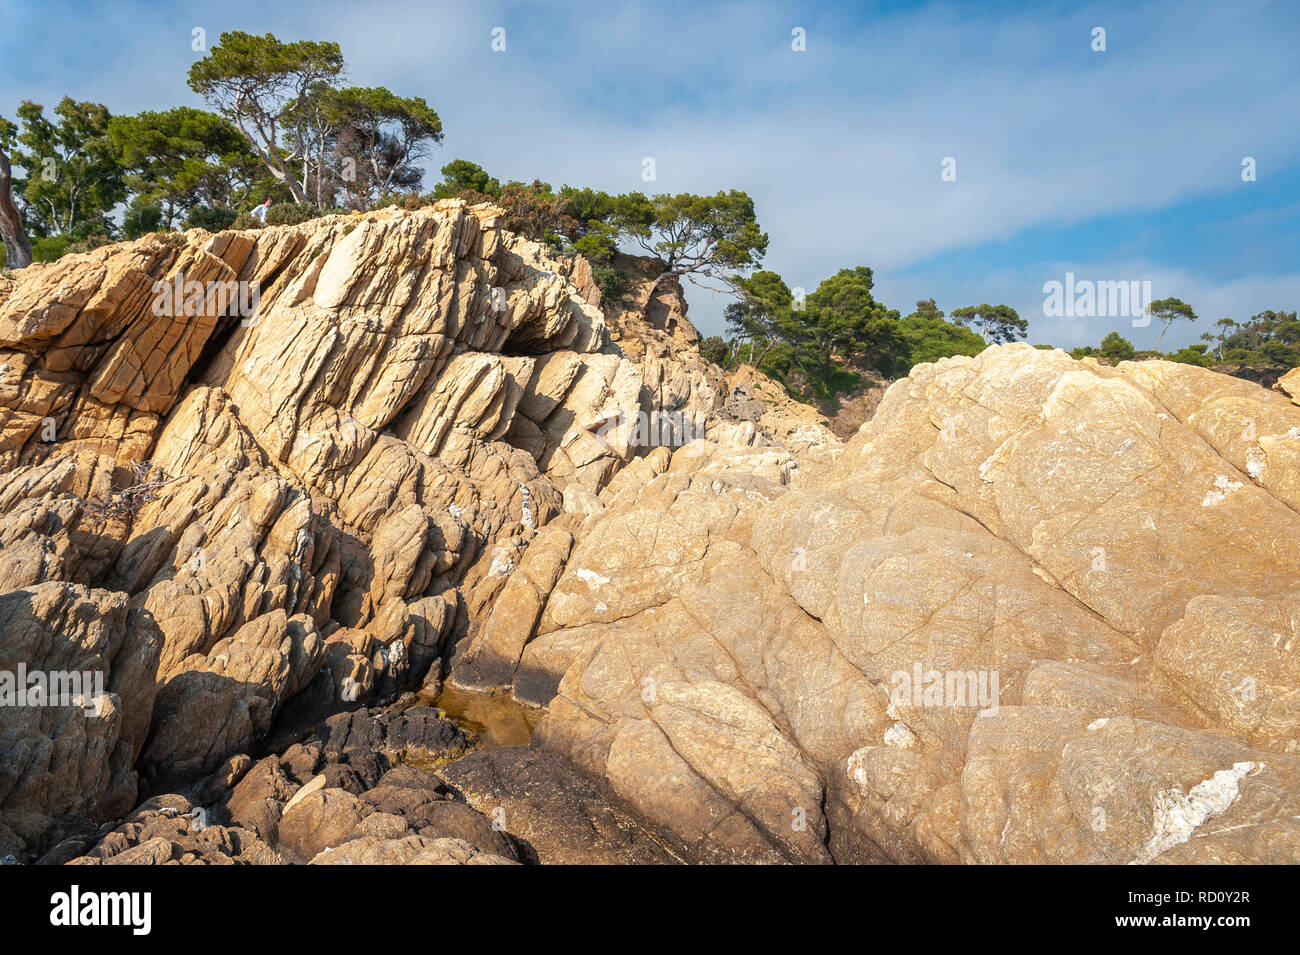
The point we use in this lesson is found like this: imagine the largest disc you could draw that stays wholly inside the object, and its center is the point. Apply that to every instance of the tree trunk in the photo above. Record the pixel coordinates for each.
(274, 164)
(18, 251)
(320, 170)
(667, 274)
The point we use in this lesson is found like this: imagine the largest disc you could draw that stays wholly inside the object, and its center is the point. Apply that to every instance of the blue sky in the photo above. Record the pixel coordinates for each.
(1115, 165)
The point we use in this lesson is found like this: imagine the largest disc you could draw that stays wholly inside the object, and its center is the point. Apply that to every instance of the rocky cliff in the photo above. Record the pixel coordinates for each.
(1035, 610)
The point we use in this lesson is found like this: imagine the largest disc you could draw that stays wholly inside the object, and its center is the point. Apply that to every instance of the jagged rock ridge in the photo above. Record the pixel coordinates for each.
(426, 457)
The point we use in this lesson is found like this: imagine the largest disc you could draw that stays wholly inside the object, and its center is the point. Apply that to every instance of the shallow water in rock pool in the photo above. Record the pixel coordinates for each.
(491, 719)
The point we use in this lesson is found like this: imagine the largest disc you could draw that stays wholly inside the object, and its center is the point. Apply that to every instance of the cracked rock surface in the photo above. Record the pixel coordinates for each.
(1035, 610)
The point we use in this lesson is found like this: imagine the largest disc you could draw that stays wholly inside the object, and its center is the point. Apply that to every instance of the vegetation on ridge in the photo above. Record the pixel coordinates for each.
(283, 125)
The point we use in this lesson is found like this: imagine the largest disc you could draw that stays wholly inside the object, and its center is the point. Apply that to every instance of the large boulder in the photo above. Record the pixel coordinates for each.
(1038, 611)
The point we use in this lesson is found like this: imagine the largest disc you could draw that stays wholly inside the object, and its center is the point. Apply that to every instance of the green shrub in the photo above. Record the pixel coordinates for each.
(49, 248)
(714, 349)
(612, 282)
(597, 246)
(1116, 348)
(930, 338)
(293, 213)
(214, 220)
(140, 218)
(1191, 355)
(1280, 353)
(409, 201)
(828, 387)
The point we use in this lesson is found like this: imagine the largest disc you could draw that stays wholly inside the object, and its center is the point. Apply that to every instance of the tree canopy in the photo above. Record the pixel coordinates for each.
(259, 83)
(843, 318)
(998, 324)
(461, 175)
(1116, 348)
(73, 179)
(182, 157)
(765, 301)
(696, 237)
(1170, 310)
(362, 143)
(930, 338)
